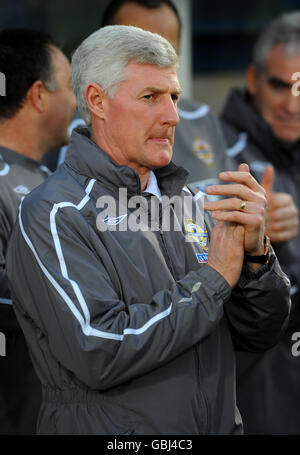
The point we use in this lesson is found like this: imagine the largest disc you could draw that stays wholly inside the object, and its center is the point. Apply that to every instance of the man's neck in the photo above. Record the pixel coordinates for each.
(18, 137)
(144, 178)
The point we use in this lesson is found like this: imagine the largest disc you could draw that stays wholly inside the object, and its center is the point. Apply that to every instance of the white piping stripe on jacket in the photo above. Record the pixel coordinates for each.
(199, 195)
(293, 289)
(193, 115)
(238, 146)
(84, 323)
(63, 150)
(6, 301)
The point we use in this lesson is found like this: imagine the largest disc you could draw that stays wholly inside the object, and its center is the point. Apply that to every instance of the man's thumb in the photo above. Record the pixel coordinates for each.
(268, 179)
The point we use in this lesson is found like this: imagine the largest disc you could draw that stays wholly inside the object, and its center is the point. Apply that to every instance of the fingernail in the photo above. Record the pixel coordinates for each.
(210, 188)
(225, 175)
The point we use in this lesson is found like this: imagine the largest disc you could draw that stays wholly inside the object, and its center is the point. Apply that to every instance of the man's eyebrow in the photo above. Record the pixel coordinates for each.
(178, 91)
(276, 81)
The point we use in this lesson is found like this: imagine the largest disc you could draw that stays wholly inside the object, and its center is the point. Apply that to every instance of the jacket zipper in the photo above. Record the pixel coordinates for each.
(166, 253)
(203, 397)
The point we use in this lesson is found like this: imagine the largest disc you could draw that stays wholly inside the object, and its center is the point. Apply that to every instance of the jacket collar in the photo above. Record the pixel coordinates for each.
(86, 158)
(13, 157)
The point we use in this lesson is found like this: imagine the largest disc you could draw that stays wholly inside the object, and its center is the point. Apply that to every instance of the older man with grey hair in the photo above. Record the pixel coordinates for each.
(129, 298)
(262, 127)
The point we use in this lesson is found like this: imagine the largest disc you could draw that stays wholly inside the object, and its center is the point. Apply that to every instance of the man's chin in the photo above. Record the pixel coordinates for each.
(62, 141)
(163, 160)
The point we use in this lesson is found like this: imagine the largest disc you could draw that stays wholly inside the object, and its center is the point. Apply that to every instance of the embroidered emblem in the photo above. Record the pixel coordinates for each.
(113, 221)
(199, 236)
(202, 257)
(202, 150)
(21, 189)
(195, 233)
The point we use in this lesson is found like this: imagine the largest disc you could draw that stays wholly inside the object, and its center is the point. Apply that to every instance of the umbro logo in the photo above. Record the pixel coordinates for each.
(113, 221)
(21, 189)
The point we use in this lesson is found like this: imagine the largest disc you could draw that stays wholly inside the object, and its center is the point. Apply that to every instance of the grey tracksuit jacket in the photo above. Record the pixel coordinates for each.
(130, 331)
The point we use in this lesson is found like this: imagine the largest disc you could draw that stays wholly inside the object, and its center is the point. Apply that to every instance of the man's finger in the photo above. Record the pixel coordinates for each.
(240, 191)
(243, 167)
(249, 220)
(282, 236)
(278, 200)
(285, 213)
(242, 177)
(231, 204)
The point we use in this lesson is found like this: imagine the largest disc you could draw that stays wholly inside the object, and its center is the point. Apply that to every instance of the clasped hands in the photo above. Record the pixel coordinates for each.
(240, 223)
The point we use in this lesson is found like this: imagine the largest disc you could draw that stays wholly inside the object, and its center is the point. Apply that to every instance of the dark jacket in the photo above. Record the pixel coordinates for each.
(127, 328)
(20, 393)
(268, 385)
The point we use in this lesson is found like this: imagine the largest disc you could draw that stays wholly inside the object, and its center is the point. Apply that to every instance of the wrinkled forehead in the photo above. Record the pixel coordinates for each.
(283, 59)
(152, 75)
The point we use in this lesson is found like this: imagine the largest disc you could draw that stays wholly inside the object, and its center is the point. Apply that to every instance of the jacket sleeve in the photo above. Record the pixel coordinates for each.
(259, 307)
(8, 321)
(5, 231)
(91, 331)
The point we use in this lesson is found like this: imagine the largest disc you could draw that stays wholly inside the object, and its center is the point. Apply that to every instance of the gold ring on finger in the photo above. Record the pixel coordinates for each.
(243, 205)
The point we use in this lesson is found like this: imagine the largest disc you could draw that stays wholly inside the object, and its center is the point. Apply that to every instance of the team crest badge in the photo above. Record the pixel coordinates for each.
(198, 235)
(202, 150)
(194, 233)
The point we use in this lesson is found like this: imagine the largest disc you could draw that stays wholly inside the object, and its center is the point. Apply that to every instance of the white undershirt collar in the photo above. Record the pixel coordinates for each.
(152, 186)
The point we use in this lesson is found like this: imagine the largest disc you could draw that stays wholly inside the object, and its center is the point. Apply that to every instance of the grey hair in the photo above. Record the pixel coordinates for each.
(283, 30)
(104, 55)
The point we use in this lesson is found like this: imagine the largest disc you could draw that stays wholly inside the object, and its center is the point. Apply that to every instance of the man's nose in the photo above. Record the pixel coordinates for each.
(292, 104)
(169, 112)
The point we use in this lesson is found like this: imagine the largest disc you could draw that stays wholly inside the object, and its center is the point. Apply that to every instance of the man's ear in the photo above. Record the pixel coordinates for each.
(37, 95)
(251, 79)
(95, 99)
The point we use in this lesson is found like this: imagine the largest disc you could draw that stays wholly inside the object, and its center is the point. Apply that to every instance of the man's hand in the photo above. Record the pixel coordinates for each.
(245, 206)
(226, 251)
(282, 216)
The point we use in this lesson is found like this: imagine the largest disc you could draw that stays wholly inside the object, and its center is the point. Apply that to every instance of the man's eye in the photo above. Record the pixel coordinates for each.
(277, 84)
(148, 97)
(175, 98)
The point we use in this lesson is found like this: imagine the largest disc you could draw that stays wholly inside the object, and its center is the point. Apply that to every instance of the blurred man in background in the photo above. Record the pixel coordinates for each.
(34, 118)
(262, 127)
